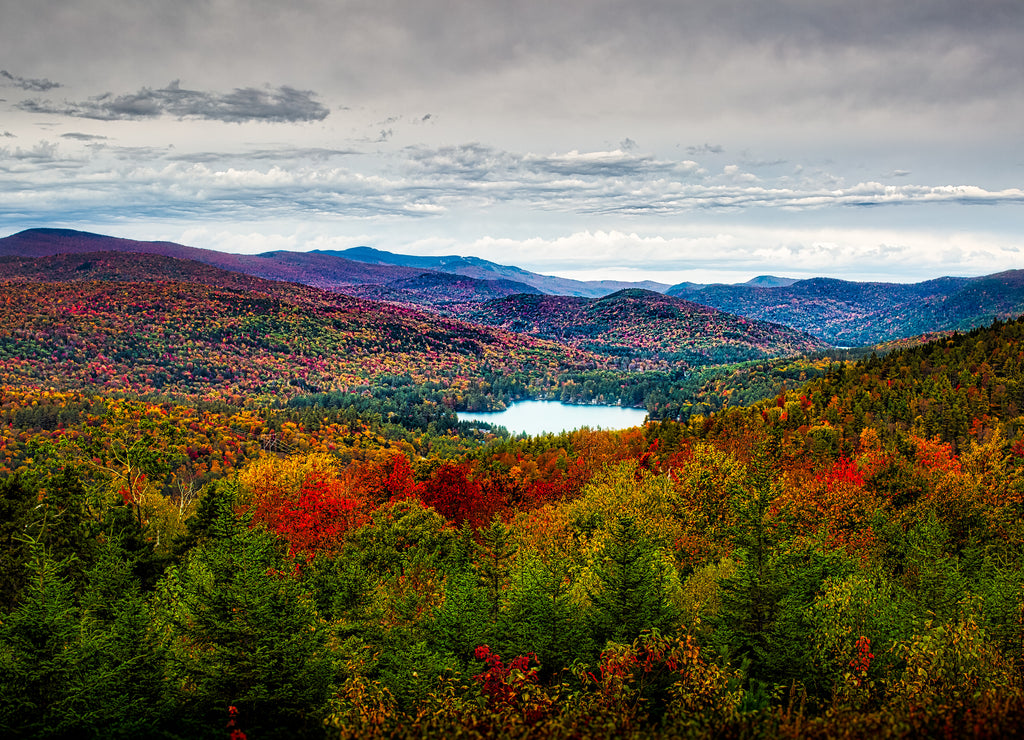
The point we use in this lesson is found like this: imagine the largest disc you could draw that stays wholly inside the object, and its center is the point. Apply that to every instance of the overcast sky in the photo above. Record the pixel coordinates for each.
(665, 139)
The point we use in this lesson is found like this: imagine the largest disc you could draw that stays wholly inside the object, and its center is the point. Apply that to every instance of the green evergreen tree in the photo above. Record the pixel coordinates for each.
(494, 558)
(542, 618)
(631, 595)
(121, 691)
(750, 598)
(243, 633)
(39, 653)
(462, 622)
(17, 500)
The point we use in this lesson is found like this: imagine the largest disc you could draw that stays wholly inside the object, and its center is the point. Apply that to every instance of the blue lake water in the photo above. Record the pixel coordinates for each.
(543, 417)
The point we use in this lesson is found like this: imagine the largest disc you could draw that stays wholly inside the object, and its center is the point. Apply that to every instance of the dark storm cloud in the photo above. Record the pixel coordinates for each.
(28, 84)
(275, 105)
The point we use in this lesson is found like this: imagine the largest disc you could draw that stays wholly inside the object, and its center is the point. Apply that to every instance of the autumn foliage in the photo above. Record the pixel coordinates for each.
(842, 558)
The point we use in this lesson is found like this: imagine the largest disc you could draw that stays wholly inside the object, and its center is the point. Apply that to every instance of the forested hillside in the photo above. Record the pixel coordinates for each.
(431, 290)
(836, 312)
(645, 329)
(842, 560)
(262, 340)
(148, 323)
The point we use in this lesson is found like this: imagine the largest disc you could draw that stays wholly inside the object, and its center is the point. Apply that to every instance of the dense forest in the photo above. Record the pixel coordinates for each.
(843, 558)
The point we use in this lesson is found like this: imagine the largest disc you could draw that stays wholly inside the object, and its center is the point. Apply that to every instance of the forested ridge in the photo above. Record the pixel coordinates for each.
(843, 559)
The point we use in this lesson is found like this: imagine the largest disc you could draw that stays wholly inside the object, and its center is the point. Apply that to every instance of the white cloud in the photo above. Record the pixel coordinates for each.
(600, 209)
(730, 253)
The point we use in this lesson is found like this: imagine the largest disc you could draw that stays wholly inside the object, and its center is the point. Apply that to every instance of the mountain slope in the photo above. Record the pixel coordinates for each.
(958, 389)
(851, 313)
(485, 270)
(410, 285)
(645, 329)
(309, 268)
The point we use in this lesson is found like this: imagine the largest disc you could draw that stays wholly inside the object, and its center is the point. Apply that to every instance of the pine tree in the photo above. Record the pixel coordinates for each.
(631, 596)
(495, 555)
(39, 652)
(17, 500)
(244, 634)
(542, 618)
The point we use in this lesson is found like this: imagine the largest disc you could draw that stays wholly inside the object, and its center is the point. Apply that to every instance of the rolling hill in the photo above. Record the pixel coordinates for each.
(645, 329)
(435, 291)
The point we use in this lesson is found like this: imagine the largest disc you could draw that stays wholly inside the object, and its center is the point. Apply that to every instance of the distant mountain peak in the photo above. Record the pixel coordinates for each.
(770, 281)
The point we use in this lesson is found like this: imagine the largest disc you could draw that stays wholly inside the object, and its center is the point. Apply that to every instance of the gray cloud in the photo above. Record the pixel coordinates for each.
(284, 154)
(83, 137)
(634, 184)
(485, 163)
(688, 58)
(25, 83)
(44, 151)
(275, 105)
(317, 154)
(443, 182)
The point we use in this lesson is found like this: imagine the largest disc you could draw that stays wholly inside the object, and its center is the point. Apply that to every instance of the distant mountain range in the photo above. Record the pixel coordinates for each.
(629, 330)
(332, 270)
(148, 323)
(481, 269)
(839, 312)
(308, 268)
(761, 281)
(848, 313)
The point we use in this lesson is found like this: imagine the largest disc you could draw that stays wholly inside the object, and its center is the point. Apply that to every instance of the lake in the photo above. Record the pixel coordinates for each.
(543, 417)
